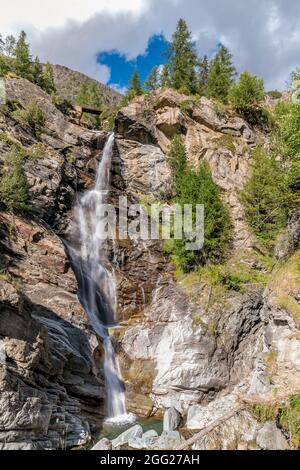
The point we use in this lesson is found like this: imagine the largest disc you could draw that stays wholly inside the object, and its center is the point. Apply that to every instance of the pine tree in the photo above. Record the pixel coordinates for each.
(135, 87)
(23, 58)
(249, 91)
(2, 44)
(37, 72)
(153, 80)
(266, 196)
(4, 66)
(221, 75)
(165, 77)
(48, 83)
(203, 75)
(183, 60)
(13, 184)
(10, 46)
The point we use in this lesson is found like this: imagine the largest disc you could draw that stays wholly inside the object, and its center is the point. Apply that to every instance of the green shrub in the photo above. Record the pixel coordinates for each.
(33, 116)
(289, 419)
(275, 94)
(248, 92)
(266, 197)
(13, 184)
(196, 186)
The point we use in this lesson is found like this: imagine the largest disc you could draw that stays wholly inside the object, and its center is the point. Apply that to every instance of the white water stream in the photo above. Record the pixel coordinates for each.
(96, 283)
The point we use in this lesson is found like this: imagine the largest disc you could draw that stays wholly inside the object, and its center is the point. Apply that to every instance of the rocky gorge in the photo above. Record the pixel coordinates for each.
(186, 343)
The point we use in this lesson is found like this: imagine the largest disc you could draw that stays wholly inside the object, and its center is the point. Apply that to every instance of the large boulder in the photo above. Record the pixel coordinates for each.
(269, 437)
(172, 419)
(132, 433)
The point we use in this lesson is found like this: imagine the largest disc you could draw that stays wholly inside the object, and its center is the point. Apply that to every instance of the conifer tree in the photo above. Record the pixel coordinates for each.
(221, 75)
(153, 80)
(10, 46)
(48, 83)
(135, 86)
(23, 58)
(183, 60)
(4, 66)
(2, 44)
(203, 75)
(37, 72)
(165, 77)
(249, 91)
(13, 184)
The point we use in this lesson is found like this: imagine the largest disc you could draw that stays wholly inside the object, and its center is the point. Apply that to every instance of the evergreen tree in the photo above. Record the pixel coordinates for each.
(23, 58)
(266, 196)
(37, 72)
(4, 66)
(165, 77)
(135, 87)
(10, 46)
(197, 187)
(203, 75)
(249, 91)
(90, 95)
(48, 79)
(2, 44)
(183, 60)
(153, 80)
(221, 75)
(13, 184)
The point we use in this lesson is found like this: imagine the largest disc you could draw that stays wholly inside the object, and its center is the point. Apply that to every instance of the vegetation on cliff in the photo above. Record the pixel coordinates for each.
(196, 186)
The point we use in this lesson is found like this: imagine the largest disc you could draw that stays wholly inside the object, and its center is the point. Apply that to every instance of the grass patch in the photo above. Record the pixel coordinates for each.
(285, 414)
(288, 303)
(226, 141)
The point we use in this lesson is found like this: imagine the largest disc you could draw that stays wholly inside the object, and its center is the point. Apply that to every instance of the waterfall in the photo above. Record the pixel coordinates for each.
(96, 282)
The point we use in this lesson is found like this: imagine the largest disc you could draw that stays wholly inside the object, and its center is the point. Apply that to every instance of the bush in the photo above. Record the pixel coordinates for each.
(33, 116)
(248, 92)
(266, 196)
(197, 187)
(13, 184)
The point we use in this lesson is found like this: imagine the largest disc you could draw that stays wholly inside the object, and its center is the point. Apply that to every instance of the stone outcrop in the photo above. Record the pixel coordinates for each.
(178, 346)
(52, 390)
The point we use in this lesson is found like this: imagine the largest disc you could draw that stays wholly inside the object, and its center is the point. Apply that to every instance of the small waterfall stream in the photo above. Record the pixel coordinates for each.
(96, 283)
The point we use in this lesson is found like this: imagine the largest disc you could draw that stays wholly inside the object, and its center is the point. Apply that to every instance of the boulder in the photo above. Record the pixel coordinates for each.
(126, 436)
(104, 444)
(145, 442)
(269, 437)
(172, 419)
(168, 440)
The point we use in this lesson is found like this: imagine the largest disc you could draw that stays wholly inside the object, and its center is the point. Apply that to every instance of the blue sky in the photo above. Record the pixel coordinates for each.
(121, 69)
(264, 37)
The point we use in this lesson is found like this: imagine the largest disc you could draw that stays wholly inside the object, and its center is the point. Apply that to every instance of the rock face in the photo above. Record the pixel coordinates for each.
(182, 346)
(181, 350)
(52, 390)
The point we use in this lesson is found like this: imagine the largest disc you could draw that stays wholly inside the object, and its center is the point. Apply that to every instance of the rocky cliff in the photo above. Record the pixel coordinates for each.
(186, 341)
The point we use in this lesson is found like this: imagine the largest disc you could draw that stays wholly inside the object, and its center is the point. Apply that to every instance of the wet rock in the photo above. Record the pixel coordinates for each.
(145, 442)
(172, 419)
(168, 440)
(132, 433)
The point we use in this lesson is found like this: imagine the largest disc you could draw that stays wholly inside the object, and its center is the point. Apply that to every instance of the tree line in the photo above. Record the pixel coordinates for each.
(15, 57)
(193, 75)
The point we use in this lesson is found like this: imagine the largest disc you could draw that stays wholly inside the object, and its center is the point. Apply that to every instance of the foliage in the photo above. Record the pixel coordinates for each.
(10, 46)
(135, 87)
(90, 95)
(203, 75)
(248, 92)
(197, 187)
(23, 59)
(266, 196)
(165, 76)
(33, 116)
(221, 75)
(274, 94)
(47, 79)
(153, 80)
(183, 60)
(37, 72)
(285, 413)
(13, 184)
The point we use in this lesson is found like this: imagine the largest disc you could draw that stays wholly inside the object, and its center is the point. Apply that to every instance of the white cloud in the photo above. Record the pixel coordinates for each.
(264, 35)
(119, 88)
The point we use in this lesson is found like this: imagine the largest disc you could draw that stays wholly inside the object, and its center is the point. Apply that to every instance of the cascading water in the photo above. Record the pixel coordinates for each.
(96, 283)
